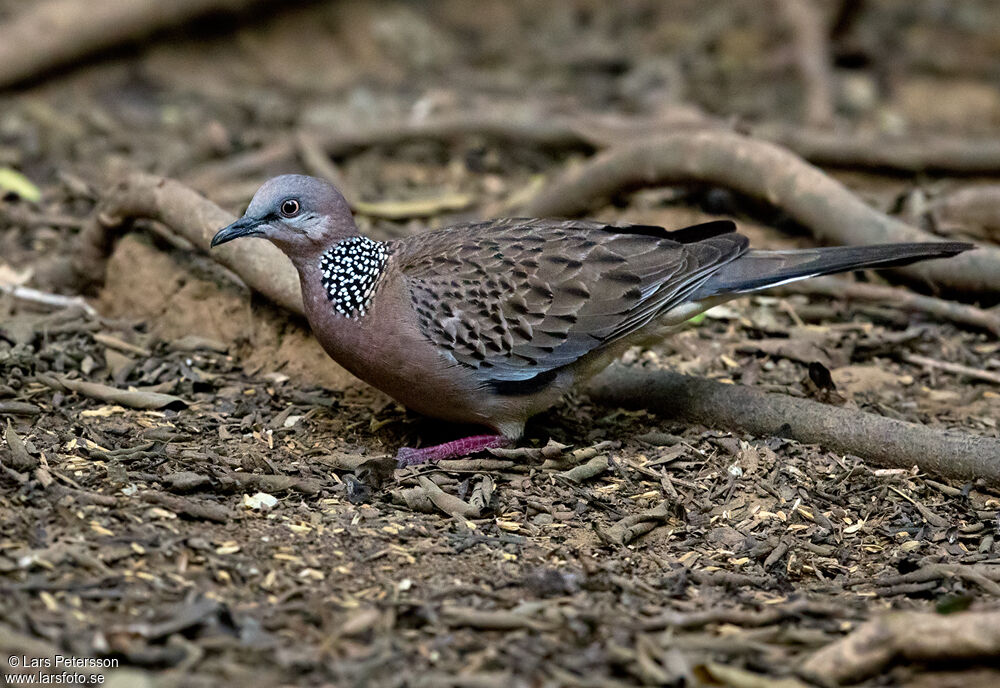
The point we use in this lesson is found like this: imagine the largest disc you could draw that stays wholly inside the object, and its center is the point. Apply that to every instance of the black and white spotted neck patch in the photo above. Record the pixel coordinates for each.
(351, 270)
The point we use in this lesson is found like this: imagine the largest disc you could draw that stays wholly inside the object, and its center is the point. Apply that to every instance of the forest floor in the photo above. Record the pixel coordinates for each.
(249, 528)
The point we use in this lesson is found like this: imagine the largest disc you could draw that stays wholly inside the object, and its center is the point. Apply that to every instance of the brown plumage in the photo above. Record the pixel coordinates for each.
(490, 323)
(512, 298)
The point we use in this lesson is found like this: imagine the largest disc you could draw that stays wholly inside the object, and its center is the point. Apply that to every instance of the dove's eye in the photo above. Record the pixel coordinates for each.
(290, 207)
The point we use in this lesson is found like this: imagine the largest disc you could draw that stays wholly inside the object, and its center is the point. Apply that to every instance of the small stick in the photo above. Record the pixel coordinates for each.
(201, 510)
(586, 131)
(490, 619)
(246, 164)
(956, 368)
(449, 504)
(736, 616)
(42, 298)
(935, 572)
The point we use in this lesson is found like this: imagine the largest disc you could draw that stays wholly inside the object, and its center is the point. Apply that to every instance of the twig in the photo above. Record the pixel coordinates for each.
(729, 579)
(315, 147)
(46, 299)
(422, 207)
(550, 452)
(24, 217)
(449, 504)
(821, 147)
(763, 170)
(46, 35)
(84, 496)
(812, 57)
(955, 368)
(490, 619)
(248, 163)
(903, 299)
(19, 408)
(233, 480)
(913, 636)
(199, 510)
(882, 441)
(586, 471)
(479, 466)
(766, 616)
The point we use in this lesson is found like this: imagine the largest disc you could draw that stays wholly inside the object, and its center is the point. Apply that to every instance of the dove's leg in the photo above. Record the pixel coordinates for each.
(408, 456)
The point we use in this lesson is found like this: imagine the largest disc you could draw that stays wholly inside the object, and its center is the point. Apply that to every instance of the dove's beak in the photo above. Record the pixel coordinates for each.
(245, 226)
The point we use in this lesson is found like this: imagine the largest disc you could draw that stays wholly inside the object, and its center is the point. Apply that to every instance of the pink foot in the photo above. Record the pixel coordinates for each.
(408, 456)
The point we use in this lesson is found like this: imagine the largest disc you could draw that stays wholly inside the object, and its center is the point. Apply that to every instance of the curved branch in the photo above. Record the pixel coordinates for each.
(766, 171)
(145, 196)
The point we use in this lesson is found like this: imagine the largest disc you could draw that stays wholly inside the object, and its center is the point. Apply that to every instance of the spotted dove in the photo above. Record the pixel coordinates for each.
(492, 322)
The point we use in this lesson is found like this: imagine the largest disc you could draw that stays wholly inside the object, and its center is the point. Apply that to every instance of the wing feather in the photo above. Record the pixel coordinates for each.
(516, 298)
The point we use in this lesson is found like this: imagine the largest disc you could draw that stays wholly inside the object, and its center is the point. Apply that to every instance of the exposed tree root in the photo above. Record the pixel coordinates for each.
(766, 171)
(938, 153)
(819, 146)
(590, 132)
(903, 299)
(913, 636)
(557, 131)
(882, 441)
(144, 196)
(54, 33)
